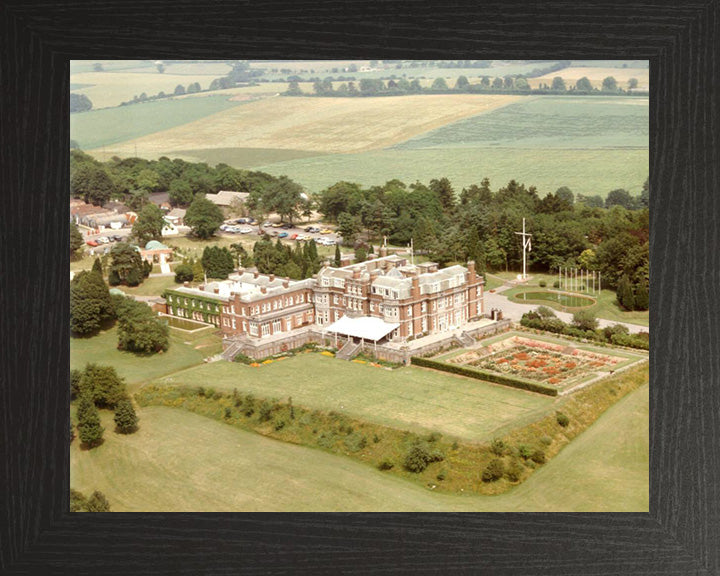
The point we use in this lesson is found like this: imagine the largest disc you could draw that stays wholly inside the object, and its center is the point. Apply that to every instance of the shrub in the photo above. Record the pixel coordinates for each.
(562, 419)
(355, 442)
(243, 359)
(542, 283)
(556, 284)
(546, 440)
(376, 438)
(279, 425)
(538, 456)
(441, 475)
(228, 413)
(585, 320)
(498, 447)
(385, 464)
(524, 451)
(434, 437)
(183, 273)
(89, 428)
(493, 471)
(545, 312)
(97, 503)
(265, 411)
(201, 391)
(514, 470)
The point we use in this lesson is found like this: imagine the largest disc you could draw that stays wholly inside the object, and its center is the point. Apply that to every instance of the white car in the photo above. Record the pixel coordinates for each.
(245, 230)
(103, 240)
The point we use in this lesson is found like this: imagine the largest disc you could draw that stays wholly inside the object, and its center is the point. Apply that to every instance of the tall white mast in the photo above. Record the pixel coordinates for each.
(527, 247)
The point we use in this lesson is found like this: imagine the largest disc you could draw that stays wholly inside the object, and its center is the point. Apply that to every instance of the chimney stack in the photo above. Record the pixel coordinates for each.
(286, 284)
(186, 284)
(263, 289)
(201, 287)
(256, 274)
(471, 270)
(216, 290)
(272, 277)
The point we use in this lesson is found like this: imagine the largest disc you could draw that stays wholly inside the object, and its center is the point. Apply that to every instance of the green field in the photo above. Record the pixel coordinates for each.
(104, 127)
(408, 398)
(547, 122)
(233, 470)
(102, 349)
(602, 169)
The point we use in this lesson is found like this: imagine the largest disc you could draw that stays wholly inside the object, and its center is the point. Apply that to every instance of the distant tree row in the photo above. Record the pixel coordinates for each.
(512, 84)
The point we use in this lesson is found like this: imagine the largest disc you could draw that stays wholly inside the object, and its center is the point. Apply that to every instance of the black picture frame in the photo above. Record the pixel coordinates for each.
(680, 534)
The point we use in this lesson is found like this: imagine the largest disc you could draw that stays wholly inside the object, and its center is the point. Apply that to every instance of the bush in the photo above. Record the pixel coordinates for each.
(265, 411)
(243, 359)
(355, 442)
(562, 419)
(183, 273)
(498, 447)
(524, 451)
(545, 312)
(441, 475)
(542, 283)
(279, 425)
(585, 320)
(434, 437)
(493, 471)
(102, 385)
(419, 456)
(546, 440)
(514, 470)
(556, 284)
(89, 428)
(538, 456)
(376, 438)
(97, 503)
(228, 413)
(385, 464)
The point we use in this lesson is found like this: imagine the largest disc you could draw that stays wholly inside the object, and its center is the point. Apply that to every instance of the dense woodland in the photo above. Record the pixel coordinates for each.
(478, 222)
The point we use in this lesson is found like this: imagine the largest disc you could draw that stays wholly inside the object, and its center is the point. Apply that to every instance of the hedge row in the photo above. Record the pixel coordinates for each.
(487, 376)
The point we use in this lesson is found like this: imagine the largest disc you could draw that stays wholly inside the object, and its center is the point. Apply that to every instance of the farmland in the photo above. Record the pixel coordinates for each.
(602, 169)
(98, 128)
(547, 122)
(407, 398)
(596, 75)
(328, 125)
(234, 470)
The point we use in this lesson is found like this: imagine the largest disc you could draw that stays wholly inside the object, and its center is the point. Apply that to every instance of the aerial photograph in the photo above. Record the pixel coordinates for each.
(359, 285)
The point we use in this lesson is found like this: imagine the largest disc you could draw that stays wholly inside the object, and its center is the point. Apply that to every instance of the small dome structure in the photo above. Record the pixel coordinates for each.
(155, 245)
(116, 291)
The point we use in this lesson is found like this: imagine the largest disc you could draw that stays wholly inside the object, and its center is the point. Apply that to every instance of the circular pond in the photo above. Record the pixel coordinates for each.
(560, 298)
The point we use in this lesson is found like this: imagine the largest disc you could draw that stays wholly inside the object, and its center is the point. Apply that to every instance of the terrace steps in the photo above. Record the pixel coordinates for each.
(349, 351)
(230, 353)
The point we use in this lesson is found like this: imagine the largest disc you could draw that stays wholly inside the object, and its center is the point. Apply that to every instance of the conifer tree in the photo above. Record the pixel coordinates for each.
(125, 417)
(89, 428)
(337, 256)
(97, 266)
(625, 293)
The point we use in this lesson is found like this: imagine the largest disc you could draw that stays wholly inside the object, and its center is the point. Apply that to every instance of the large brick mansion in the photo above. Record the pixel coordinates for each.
(392, 299)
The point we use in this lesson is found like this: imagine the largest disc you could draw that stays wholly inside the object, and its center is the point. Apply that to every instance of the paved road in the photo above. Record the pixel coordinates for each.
(515, 310)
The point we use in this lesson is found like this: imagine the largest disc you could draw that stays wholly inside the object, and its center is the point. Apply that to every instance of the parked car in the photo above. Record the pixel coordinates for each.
(294, 236)
(287, 226)
(245, 230)
(326, 231)
(283, 235)
(276, 225)
(241, 221)
(103, 240)
(272, 233)
(267, 224)
(314, 229)
(92, 243)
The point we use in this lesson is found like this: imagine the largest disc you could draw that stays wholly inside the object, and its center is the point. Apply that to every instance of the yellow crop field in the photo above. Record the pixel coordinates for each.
(596, 76)
(108, 89)
(324, 125)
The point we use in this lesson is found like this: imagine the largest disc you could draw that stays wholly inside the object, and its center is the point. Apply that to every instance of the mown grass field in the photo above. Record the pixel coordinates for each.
(408, 398)
(547, 122)
(587, 172)
(153, 286)
(98, 128)
(179, 461)
(102, 349)
(330, 125)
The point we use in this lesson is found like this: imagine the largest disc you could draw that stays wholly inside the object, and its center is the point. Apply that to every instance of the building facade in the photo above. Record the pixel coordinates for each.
(421, 299)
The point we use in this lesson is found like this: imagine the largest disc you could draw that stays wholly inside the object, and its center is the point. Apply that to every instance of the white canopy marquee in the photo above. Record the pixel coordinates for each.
(365, 327)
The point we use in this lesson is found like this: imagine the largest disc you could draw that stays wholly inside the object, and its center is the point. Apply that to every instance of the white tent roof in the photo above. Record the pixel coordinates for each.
(367, 327)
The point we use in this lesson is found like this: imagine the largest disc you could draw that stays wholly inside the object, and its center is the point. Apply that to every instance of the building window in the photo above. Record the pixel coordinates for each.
(277, 326)
(265, 329)
(253, 329)
(233, 324)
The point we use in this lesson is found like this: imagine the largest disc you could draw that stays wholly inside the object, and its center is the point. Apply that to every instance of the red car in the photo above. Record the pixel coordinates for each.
(92, 243)
(293, 237)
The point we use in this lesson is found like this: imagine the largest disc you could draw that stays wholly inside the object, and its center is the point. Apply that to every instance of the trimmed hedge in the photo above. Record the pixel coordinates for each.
(487, 376)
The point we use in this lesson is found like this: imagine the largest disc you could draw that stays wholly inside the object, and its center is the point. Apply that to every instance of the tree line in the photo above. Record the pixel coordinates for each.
(610, 236)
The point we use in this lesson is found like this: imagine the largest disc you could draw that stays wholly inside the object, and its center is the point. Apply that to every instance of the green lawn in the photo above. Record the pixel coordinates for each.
(102, 349)
(107, 126)
(408, 398)
(154, 286)
(179, 461)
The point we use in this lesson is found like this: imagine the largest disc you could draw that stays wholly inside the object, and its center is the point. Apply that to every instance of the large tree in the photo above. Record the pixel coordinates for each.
(609, 84)
(180, 193)
(140, 330)
(126, 266)
(583, 85)
(125, 417)
(92, 183)
(217, 262)
(283, 197)
(203, 217)
(90, 303)
(102, 385)
(149, 224)
(445, 193)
